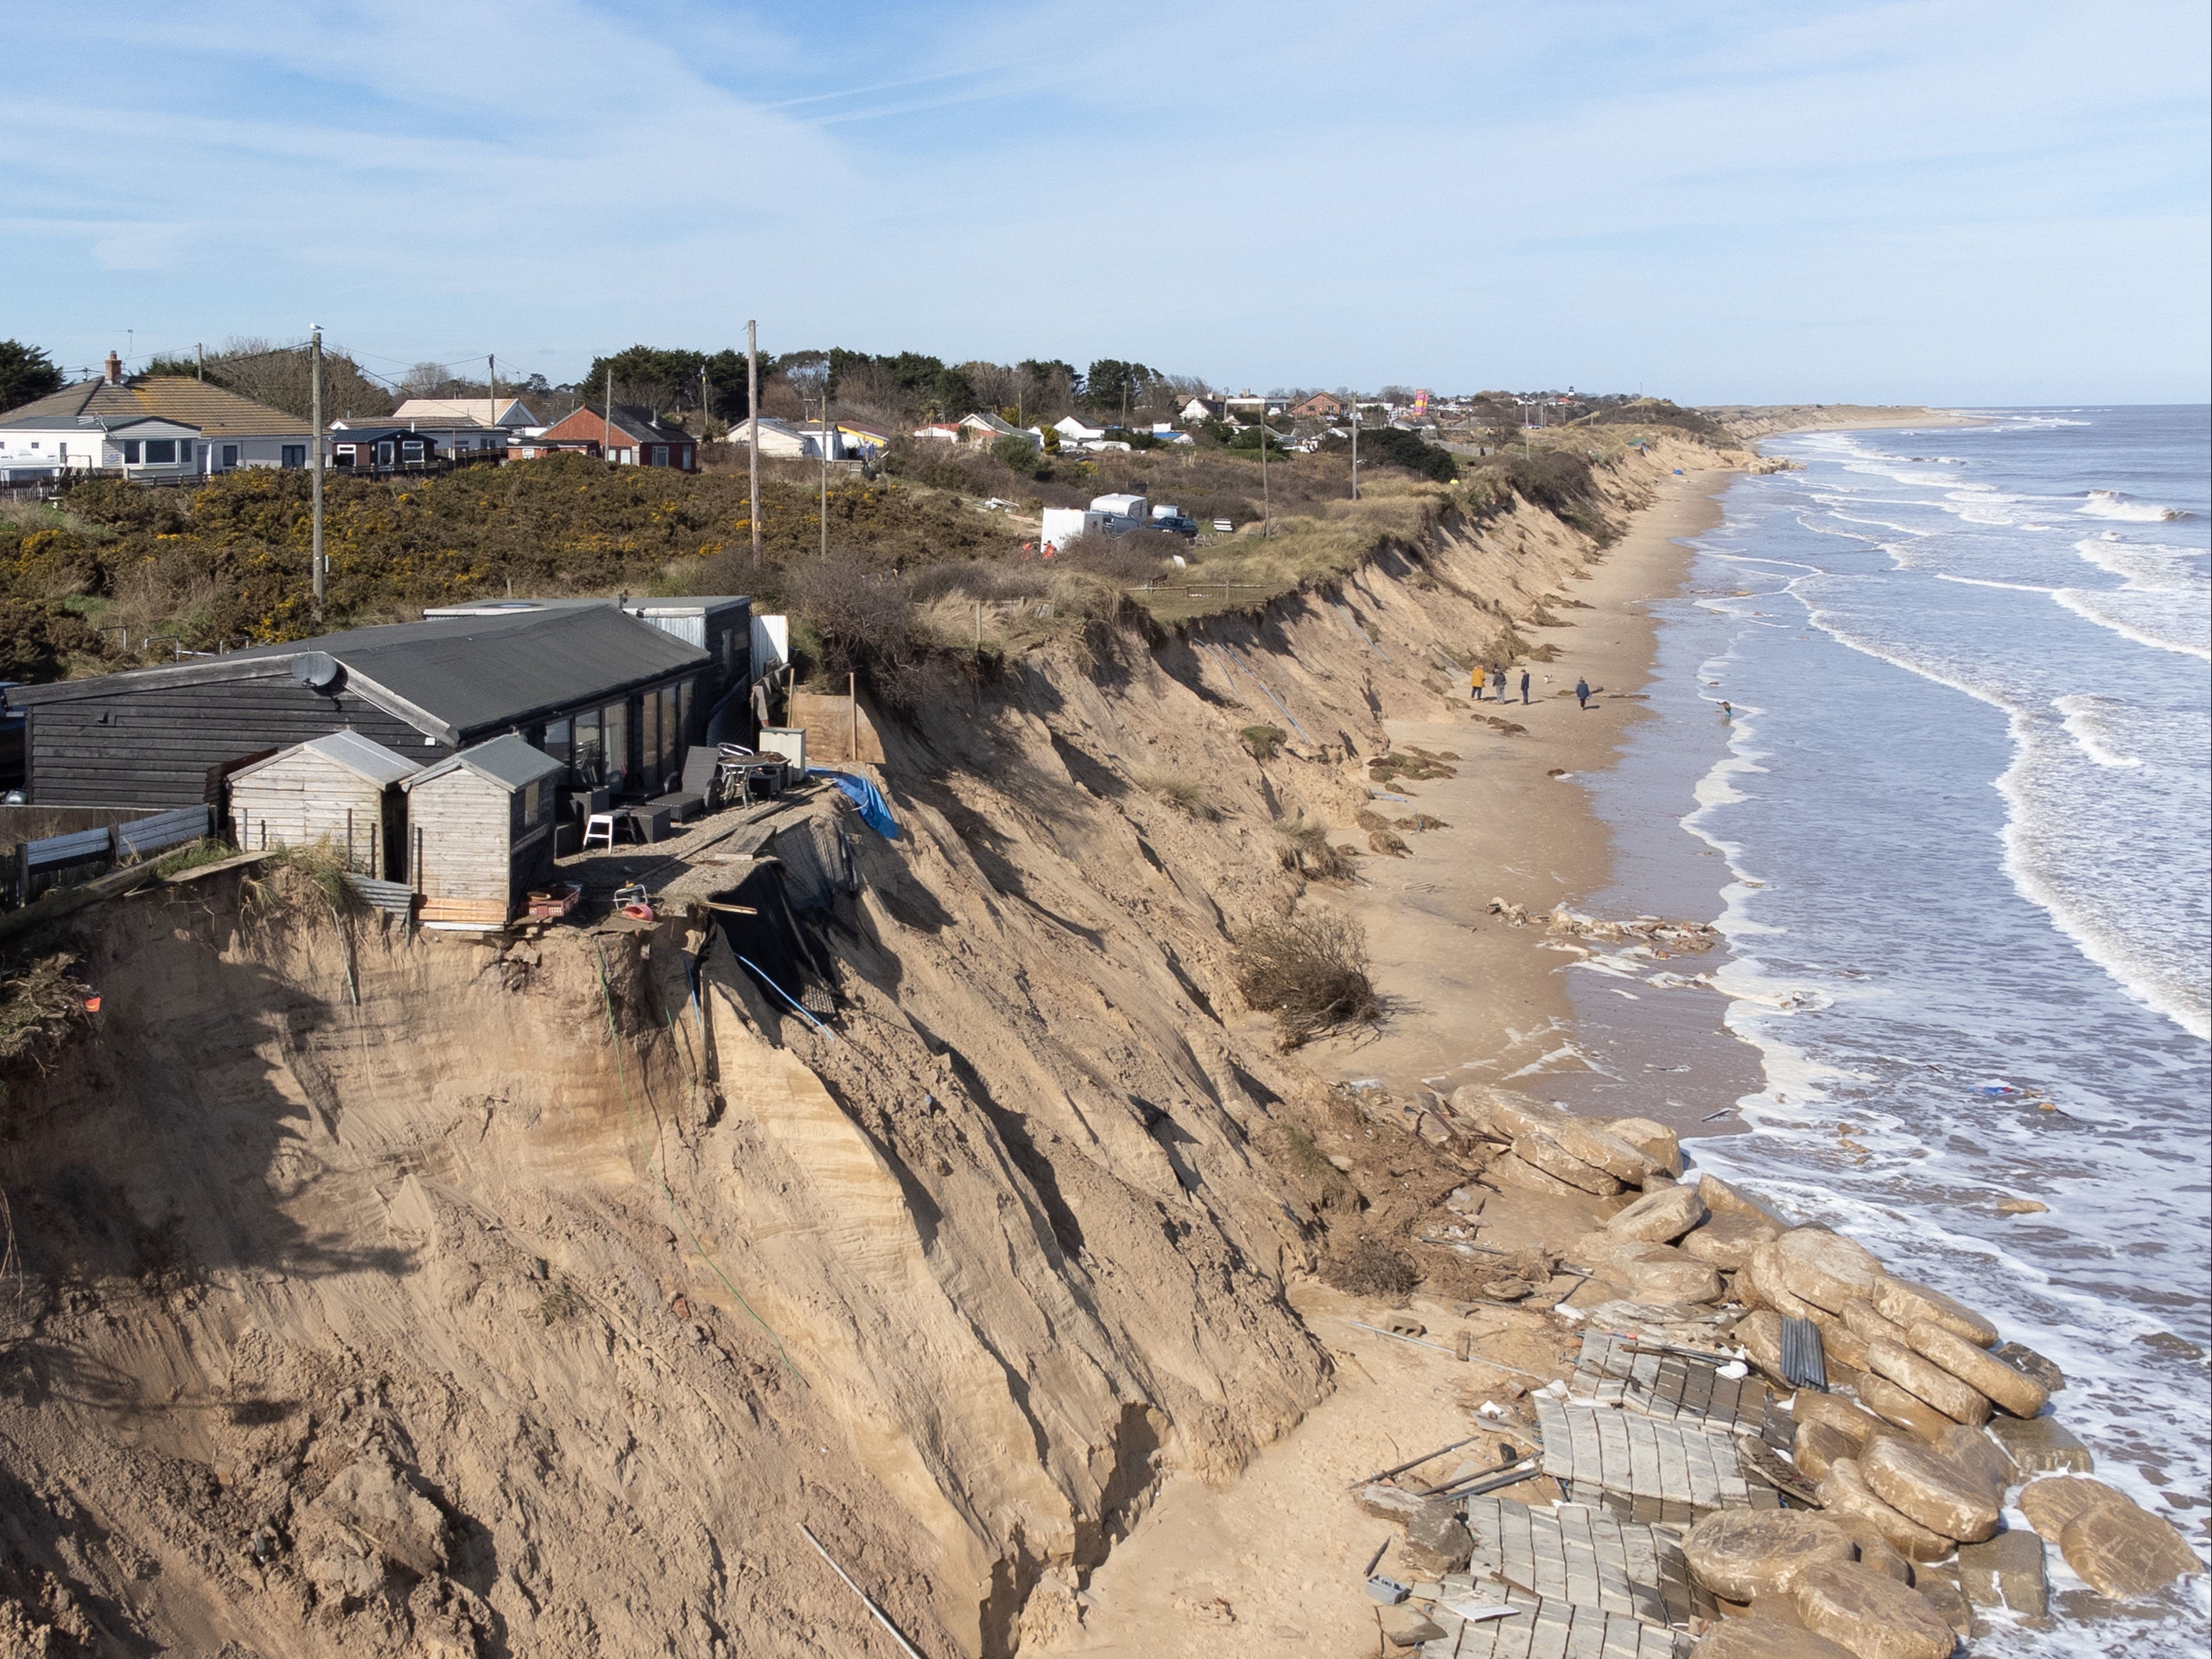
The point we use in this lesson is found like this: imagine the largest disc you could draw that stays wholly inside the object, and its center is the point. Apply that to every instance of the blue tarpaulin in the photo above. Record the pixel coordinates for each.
(875, 810)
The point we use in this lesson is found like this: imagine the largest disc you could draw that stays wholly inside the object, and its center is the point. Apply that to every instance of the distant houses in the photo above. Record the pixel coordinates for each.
(152, 429)
(508, 413)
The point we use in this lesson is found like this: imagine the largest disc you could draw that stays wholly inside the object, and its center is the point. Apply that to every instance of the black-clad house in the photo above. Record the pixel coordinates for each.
(613, 697)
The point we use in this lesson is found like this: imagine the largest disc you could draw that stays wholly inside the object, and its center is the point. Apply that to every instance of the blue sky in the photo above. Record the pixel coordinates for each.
(1955, 201)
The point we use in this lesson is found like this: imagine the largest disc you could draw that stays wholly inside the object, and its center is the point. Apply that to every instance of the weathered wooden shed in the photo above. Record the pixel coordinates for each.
(480, 829)
(340, 788)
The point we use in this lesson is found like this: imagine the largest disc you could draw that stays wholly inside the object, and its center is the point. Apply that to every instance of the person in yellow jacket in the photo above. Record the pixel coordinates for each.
(1474, 680)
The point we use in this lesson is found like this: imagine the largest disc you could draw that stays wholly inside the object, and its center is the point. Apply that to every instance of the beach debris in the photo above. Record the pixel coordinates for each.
(1388, 1591)
(1804, 1362)
(1660, 1217)
(1515, 915)
(1676, 935)
(2022, 1206)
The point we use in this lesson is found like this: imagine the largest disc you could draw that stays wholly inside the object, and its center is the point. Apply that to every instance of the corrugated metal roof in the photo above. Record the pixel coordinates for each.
(464, 675)
(507, 760)
(217, 413)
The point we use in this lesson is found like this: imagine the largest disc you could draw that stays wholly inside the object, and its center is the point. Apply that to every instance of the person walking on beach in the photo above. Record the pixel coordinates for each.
(1728, 712)
(1474, 681)
(1581, 692)
(1525, 688)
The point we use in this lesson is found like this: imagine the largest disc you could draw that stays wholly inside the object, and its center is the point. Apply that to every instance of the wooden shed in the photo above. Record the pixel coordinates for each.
(340, 788)
(480, 827)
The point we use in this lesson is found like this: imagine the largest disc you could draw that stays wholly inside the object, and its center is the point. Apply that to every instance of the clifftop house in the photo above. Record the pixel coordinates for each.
(150, 427)
(443, 413)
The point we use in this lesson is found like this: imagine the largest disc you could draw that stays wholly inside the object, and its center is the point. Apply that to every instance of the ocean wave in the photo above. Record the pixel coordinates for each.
(2088, 721)
(2118, 504)
(2159, 620)
(2146, 567)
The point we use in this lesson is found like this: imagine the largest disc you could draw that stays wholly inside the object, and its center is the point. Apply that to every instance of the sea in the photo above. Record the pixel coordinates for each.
(1953, 688)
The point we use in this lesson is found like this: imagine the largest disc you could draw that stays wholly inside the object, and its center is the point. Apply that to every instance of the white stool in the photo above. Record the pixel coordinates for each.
(599, 827)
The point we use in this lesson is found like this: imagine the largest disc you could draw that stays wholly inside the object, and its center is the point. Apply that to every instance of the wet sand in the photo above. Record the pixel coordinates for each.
(1475, 998)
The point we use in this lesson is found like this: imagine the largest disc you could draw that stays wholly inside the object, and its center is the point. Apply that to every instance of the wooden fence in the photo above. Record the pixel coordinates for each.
(58, 860)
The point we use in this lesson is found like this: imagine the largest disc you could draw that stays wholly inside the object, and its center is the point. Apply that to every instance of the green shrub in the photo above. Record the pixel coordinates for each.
(1264, 743)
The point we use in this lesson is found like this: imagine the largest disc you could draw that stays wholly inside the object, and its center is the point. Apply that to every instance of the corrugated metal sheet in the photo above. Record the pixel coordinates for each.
(142, 837)
(1804, 1363)
(397, 897)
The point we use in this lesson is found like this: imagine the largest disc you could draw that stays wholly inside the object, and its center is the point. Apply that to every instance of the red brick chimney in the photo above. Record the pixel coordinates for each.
(114, 369)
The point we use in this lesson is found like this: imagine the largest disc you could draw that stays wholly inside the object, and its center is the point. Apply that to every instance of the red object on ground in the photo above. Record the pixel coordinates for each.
(92, 1005)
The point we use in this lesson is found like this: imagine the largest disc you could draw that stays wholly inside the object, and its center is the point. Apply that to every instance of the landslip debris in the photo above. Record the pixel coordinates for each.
(1687, 1506)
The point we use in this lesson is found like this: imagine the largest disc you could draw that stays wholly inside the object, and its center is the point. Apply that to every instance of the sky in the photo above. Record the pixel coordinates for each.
(1961, 202)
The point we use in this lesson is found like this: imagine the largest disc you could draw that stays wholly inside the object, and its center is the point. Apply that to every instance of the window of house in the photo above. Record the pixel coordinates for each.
(295, 455)
(614, 721)
(130, 452)
(161, 452)
(555, 740)
(649, 748)
(659, 457)
(385, 452)
(588, 763)
(342, 454)
(229, 455)
(671, 729)
(412, 449)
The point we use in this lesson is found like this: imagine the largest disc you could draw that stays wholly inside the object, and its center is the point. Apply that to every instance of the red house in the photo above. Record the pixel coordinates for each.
(628, 437)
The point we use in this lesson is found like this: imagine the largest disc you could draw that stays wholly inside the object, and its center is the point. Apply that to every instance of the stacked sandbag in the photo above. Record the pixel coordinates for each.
(2118, 1547)
(1757, 1558)
(1635, 1250)
(1916, 1358)
(1552, 1151)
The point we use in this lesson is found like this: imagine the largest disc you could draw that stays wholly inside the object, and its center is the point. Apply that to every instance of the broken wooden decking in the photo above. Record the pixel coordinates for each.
(1586, 1556)
(1550, 1629)
(1670, 1473)
(1669, 1386)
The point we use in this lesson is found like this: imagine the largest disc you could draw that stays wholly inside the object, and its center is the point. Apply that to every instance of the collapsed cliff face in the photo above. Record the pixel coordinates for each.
(383, 1294)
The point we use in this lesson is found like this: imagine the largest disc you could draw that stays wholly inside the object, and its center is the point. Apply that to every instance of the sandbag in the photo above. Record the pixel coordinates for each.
(1826, 1268)
(1726, 1241)
(1543, 1150)
(1902, 1407)
(1843, 1489)
(2050, 1503)
(1759, 1335)
(1765, 1274)
(1724, 1198)
(1767, 1638)
(1875, 1616)
(1901, 1302)
(1863, 1317)
(1594, 1147)
(1655, 1141)
(1504, 1114)
(1741, 1553)
(2016, 1392)
(1919, 1482)
(1659, 1217)
(1659, 1272)
(1974, 1450)
(1958, 1401)
(1854, 1423)
(1816, 1448)
(2126, 1551)
(1513, 1171)
(1875, 1551)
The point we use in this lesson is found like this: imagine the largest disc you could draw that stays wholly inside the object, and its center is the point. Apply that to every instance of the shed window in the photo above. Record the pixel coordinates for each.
(533, 802)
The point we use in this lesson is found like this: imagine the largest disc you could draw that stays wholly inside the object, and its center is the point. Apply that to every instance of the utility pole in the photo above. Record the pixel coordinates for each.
(702, 405)
(607, 424)
(825, 461)
(1267, 505)
(1355, 445)
(491, 379)
(752, 429)
(315, 457)
(199, 358)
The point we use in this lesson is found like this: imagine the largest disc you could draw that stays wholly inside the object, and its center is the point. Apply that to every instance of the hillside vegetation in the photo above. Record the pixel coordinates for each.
(116, 574)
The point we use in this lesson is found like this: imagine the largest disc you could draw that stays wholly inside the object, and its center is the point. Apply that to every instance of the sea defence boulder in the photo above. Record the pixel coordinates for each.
(2010, 1390)
(1845, 1489)
(1768, 1638)
(1655, 1141)
(1923, 1485)
(1925, 1379)
(1824, 1268)
(1661, 1217)
(1580, 1152)
(1726, 1241)
(2105, 1536)
(1743, 1554)
(1906, 1304)
(1870, 1614)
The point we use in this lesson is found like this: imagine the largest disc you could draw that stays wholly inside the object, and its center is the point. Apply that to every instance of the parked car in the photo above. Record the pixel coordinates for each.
(1176, 523)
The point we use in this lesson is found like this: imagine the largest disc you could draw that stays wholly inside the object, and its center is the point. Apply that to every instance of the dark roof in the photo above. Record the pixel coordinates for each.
(354, 434)
(453, 679)
(217, 413)
(507, 760)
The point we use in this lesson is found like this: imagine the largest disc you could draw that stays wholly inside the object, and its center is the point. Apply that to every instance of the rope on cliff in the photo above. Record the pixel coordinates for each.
(651, 1169)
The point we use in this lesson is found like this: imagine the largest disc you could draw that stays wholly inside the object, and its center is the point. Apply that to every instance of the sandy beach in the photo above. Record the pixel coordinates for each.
(1472, 997)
